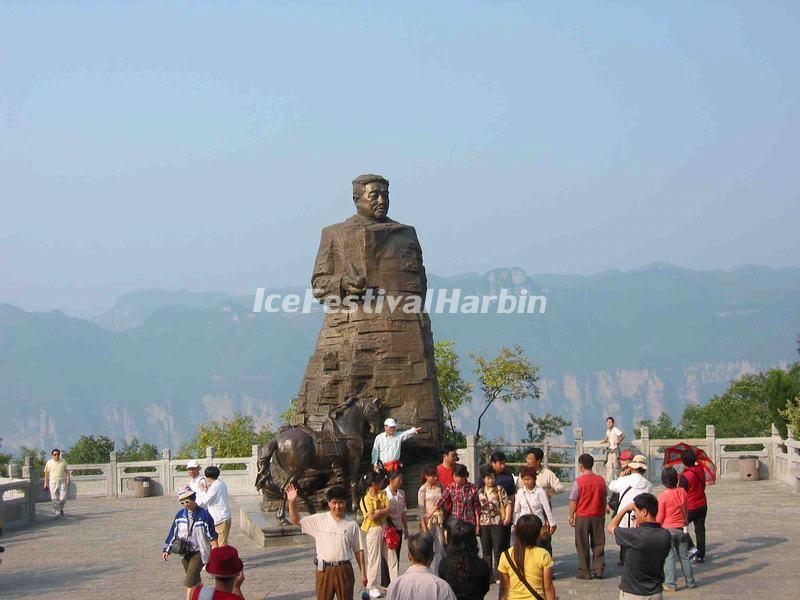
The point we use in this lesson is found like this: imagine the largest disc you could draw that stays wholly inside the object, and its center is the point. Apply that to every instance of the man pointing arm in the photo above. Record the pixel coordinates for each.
(386, 447)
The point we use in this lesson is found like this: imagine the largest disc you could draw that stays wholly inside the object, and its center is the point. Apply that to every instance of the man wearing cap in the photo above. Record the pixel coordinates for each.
(228, 571)
(338, 540)
(386, 447)
(628, 487)
(197, 482)
(196, 526)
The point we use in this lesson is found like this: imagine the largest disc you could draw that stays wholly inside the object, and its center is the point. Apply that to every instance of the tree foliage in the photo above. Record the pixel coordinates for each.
(230, 437)
(509, 377)
(291, 410)
(662, 428)
(135, 450)
(453, 390)
(4, 458)
(791, 415)
(35, 454)
(90, 449)
(541, 428)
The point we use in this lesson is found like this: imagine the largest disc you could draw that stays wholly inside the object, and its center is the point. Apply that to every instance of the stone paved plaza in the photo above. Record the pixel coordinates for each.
(111, 548)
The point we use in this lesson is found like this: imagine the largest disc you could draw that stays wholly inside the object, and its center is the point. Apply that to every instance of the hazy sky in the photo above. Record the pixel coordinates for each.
(204, 145)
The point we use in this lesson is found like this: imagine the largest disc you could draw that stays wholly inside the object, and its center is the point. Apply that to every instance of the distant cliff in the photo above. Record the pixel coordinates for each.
(630, 344)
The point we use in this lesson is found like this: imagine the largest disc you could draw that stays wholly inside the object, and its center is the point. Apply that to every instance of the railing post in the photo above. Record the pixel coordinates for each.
(13, 470)
(210, 450)
(772, 451)
(711, 442)
(471, 459)
(578, 432)
(546, 450)
(645, 439)
(113, 481)
(166, 484)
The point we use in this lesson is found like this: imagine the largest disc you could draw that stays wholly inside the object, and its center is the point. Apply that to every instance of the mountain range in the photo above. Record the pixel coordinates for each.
(622, 343)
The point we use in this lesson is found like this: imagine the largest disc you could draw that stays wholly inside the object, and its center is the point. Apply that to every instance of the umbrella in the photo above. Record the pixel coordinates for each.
(672, 458)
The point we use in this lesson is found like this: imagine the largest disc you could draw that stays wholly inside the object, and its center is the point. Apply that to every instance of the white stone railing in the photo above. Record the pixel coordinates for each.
(167, 475)
(777, 458)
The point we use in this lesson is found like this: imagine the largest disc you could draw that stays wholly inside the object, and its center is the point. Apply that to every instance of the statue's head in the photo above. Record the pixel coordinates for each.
(371, 196)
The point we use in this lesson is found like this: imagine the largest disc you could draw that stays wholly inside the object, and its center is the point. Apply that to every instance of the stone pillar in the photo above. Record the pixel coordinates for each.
(546, 450)
(471, 460)
(772, 451)
(645, 449)
(711, 443)
(113, 482)
(166, 469)
(578, 432)
(13, 469)
(210, 450)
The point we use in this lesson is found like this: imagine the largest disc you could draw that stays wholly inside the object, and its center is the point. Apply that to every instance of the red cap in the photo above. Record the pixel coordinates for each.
(627, 455)
(224, 562)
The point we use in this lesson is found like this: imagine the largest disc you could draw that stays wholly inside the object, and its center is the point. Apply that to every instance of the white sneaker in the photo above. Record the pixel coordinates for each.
(692, 552)
(373, 593)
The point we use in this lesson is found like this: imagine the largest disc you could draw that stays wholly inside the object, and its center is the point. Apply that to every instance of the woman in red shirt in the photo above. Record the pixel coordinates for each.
(672, 515)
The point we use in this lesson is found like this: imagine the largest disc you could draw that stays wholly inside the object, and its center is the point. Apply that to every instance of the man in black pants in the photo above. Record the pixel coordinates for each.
(693, 480)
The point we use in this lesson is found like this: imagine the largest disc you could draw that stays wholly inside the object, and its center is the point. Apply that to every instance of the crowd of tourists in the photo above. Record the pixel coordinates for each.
(470, 536)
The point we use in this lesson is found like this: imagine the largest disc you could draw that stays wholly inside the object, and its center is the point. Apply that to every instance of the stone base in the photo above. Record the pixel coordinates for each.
(264, 529)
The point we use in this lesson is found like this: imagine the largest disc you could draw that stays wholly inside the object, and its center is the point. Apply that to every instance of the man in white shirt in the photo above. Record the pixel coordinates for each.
(337, 538)
(628, 487)
(197, 482)
(56, 478)
(386, 446)
(215, 500)
(612, 440)
(418, 582)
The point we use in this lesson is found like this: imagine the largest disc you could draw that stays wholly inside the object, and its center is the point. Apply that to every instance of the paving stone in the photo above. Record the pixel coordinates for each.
(111, 548)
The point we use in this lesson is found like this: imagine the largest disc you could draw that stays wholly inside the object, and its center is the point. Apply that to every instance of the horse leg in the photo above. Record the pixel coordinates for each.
(281, 514)
(308, 500)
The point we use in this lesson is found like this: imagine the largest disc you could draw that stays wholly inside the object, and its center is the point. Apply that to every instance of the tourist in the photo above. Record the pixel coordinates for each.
(56, 478)
(386, 447)
(545, 478)
(648, 545)
(505, 479)
(428, 494)
(449, 460)
(418, 583)
(526, 568)
(672, 516)
(399, 518)
(627, 488)
(496, 512)
(215, 499)
(375, 508)
(468, 575)
(533, 500)
(337, 540)
(587, 505)
(192, 536)
(464, 499)
(197, 482)
(612, 440)
(227, 569)
(693, 480)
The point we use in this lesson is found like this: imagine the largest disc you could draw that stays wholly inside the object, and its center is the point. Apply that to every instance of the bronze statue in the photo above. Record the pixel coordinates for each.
(297, 450)
(365, 352)
(372, 351)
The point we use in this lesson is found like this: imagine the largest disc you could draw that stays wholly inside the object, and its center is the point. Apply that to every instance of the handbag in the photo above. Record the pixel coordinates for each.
(521, 576)
(181, 546)
(615, 499)
(391, 536)
(544, 532)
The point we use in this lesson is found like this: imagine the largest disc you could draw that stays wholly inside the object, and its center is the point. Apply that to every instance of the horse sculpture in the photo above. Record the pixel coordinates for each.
(299, 449)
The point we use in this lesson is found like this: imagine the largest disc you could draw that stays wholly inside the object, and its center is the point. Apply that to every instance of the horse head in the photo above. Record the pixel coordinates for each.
(371, 409)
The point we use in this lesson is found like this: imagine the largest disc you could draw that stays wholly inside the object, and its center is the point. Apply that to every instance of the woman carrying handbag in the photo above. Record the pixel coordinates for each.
(526, 570)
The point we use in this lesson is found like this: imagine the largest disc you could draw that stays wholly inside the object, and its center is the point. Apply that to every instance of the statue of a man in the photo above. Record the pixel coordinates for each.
(378, 348)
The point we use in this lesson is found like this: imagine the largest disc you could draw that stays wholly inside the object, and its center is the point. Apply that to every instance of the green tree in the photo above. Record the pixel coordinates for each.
(453, 390)
(541, 428)
(291, 410)
(90, 449)
(509, 377)
(4, 458)
(35, 454)
(136, 451)
(230, 437)
(662, 428)
(780, 387)
(741, 411)
(791, 415)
